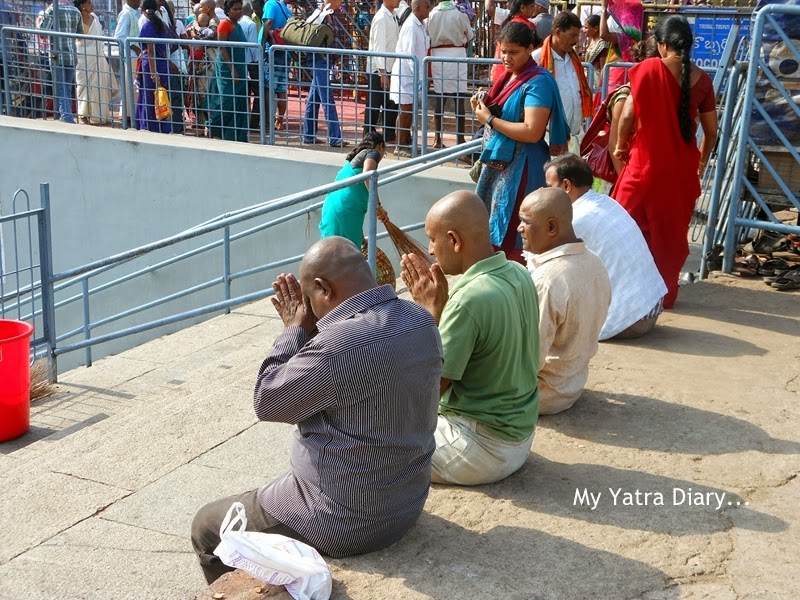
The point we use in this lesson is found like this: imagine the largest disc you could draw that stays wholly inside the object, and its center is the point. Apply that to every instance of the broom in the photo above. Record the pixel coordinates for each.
(405, 244)
(40, 380)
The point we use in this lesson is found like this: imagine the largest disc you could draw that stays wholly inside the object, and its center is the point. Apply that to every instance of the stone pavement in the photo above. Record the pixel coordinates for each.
(97, 500)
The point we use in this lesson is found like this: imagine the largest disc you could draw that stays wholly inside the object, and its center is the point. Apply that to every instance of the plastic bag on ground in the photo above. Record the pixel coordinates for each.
(273, 558)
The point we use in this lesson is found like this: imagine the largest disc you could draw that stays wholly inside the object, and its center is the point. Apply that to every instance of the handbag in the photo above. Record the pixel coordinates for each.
(161, 103)
(297, 32)
(594, 147)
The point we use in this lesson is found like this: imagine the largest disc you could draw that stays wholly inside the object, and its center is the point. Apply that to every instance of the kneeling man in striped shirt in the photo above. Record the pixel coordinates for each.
(358, 370)
(489, 323)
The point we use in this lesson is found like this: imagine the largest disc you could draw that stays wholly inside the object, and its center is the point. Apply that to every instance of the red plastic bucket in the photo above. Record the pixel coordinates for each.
(15, 378)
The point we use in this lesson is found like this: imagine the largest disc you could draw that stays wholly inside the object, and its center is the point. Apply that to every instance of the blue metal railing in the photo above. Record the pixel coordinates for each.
(747, 145)
(81, 276)
(27, 289)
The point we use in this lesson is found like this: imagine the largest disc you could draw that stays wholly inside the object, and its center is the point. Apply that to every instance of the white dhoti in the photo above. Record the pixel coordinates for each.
(449, 78)
(401, 87)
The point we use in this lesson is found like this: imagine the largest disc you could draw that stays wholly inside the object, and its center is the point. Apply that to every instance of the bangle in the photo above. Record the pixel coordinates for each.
(489, 121)
(618, 149)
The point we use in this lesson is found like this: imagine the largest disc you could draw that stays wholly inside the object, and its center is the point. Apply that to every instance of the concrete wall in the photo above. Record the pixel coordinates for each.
(113, 190)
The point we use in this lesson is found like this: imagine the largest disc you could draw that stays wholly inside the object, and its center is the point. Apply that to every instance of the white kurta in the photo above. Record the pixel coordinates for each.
(450, 31)
(413, 40)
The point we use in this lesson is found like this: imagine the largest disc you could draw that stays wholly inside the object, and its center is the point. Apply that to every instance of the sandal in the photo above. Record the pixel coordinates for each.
(790, 280)
(773, 267)
(747, 266)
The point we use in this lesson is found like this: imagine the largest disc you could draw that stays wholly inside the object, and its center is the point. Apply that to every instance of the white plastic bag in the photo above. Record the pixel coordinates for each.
(273, 558)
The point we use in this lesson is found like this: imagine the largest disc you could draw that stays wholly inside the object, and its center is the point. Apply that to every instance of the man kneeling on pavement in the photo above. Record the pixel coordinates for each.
(358, 371)
(489, 328)
(574, 293)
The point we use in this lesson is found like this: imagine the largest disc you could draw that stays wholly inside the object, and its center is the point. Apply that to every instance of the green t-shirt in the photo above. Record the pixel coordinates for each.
(490, 336)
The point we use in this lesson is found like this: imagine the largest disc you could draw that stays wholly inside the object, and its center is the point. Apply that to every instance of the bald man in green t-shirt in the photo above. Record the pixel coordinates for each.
(489, 324)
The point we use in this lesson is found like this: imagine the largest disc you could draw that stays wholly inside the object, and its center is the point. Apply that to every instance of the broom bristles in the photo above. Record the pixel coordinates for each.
(40, 379)
(405, 244)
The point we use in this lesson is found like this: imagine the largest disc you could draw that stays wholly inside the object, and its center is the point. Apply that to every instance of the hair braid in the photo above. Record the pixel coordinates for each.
(684, 111)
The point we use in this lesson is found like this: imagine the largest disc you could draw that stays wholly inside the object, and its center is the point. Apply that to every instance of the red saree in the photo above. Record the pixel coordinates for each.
(659, 185)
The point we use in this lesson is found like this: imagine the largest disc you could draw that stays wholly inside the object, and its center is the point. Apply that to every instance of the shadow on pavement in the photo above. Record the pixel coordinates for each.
(548, 487)
(644, 423)
(442, 559)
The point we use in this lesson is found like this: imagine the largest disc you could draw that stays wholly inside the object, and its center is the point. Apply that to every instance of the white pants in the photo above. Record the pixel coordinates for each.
(466, 454)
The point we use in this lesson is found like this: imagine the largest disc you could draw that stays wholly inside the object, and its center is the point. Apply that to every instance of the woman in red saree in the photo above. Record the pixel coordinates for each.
(660, 182)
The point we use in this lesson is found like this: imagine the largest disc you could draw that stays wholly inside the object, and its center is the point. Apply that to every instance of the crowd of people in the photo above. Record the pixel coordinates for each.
(218, 89)
(390, 395)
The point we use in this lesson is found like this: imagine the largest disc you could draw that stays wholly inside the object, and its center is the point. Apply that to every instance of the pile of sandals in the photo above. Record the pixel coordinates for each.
(759, 258)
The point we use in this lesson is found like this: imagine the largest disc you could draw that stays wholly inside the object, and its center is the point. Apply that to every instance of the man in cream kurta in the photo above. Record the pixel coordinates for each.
(574, 295)
(413, 40)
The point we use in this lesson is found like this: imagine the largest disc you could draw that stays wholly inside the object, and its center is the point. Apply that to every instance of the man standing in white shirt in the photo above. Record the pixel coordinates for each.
(128, 27)
(413, 40)
(250, 30)
(637, 288)
(383, 34)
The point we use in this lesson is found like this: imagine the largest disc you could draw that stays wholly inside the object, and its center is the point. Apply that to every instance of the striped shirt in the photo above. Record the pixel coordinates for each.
(363, 392)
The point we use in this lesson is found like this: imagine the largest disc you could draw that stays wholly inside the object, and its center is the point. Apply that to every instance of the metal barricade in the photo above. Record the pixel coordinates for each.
(26, 292)
(205, 101)
(748, 150)
(446, 86)
(48, 73)
(341, 96)
(85, 284)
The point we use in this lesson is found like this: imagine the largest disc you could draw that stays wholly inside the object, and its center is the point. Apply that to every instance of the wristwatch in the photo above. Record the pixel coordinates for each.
(489, 121)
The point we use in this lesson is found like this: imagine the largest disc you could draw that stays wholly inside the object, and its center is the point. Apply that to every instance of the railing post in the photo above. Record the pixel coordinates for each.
(424, 127)
(124, 67)
(262, 112)
(271, 95)
(372, 223)
(226, 265)
(7, 90)
(87, 330)
(415, 106)
(46, 269)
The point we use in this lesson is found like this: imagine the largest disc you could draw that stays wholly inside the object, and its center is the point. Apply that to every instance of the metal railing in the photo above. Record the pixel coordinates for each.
(25, 235)
(77, 286)
(730, 213)
(341, 118)
(31, 81)
(203, 96)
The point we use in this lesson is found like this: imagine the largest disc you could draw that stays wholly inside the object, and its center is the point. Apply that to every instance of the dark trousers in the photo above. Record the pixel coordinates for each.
(253, 89)
(377, 99)
(206, 523)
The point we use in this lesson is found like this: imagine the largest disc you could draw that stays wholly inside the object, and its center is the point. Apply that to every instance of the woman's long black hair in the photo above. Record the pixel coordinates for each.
(675, 32)
(371, 140)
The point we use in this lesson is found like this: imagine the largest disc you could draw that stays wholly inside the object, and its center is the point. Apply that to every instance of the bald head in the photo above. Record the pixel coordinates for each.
(546, 220)
(462, 211)
(551, 203)
(458, 228)
(335, 259)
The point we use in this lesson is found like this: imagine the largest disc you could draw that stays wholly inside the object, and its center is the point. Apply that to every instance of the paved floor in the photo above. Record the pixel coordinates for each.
(97, 500)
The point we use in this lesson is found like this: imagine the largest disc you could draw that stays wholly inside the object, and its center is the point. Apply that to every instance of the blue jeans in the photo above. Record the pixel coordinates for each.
(321, 93)
(63, 80)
